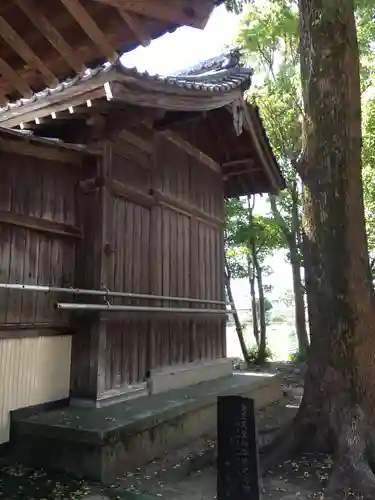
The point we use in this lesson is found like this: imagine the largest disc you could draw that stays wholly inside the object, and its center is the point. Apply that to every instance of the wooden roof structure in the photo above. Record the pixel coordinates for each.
(45, 42)
(203, 107)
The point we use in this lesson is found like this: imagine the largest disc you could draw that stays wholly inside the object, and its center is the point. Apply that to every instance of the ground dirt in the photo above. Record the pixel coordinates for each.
(189, 473)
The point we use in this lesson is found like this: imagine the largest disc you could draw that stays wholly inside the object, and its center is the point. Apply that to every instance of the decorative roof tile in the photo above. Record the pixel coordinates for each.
(217, 75)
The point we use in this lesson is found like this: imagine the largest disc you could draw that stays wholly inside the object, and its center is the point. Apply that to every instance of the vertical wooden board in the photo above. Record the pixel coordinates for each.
(136, 280)
(155, 263)
(129, 247)
(124, 353)
(7, 173)
(143, 334)
(43, 277)
(166, 353)
(17, 251)
(5, 251)
(194, 282)
(59, 172)
(145, 285)
(48, 194)
(174, 334)
(186, 286)
(115, 260)
(30, 271)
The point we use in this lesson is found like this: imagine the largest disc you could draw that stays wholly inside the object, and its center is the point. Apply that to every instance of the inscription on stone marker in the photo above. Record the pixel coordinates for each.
(237, 454)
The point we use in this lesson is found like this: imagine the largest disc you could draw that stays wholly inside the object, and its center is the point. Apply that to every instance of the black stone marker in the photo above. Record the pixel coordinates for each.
(237, 449)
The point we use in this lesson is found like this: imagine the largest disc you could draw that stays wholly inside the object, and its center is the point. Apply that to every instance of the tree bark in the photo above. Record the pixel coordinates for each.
(262, 309)
(254, 313)
(339, 396)
(299, 303)
(235, 314)
(295, 257)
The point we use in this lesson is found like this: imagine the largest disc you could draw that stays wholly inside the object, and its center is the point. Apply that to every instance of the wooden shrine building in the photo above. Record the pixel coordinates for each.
(112, 196)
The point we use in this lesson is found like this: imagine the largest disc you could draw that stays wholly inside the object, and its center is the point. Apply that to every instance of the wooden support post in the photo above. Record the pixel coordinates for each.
(89, 342)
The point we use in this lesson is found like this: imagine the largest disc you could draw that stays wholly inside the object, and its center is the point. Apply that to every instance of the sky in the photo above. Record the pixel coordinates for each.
(180, 50)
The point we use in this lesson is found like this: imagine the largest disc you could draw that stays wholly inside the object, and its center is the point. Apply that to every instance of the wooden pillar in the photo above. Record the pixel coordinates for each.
(89, 341)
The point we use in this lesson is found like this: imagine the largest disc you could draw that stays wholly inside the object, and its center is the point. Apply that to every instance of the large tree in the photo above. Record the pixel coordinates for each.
(337, 410)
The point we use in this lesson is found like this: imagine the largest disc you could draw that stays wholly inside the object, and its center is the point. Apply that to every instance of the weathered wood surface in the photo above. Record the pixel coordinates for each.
(166, 237)
(38, 235)
(141, 220)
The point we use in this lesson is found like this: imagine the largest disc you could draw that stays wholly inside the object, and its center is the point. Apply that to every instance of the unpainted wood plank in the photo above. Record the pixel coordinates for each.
(136, 26)
(24, 51)
(92, 30)
(129, 248)
(166, 242)
(7, 172)
(15, 80)
(193, 13)
(17, 250)
(40, 21)
(175, 336)
(29, 276)
(5, 252)
(155, 259)
(23, 146)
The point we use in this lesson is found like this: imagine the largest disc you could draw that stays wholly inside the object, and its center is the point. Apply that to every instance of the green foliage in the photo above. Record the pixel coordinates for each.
(255, 355)
(368, 170)
(236, 6)
(263, 230)
(297, 357)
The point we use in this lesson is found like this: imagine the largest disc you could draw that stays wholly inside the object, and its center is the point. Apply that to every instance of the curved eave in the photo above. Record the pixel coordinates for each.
(127, 85)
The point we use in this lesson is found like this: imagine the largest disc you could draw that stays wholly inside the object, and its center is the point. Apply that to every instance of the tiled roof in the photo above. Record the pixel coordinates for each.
(219, 74)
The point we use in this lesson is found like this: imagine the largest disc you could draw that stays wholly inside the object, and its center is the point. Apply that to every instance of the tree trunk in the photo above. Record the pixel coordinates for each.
(339, 396)
(299, 303)
(254, 313)
(262, 309)
(235, 315)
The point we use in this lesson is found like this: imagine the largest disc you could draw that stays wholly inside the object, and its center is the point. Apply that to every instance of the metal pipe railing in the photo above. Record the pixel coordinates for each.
(104, 293)
(68, 306)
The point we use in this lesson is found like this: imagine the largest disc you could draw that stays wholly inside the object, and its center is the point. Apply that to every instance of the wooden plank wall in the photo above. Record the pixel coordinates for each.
(166, 238)
(38, 235)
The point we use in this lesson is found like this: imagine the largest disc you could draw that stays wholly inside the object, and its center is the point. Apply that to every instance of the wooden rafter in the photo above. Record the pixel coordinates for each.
(91, 29)
(40, 21)
(14, 79)
(24, 51)
(136, 27)
(182, 12)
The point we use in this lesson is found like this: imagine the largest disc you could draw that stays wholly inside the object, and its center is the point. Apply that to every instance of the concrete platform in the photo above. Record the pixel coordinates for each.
(102, 443)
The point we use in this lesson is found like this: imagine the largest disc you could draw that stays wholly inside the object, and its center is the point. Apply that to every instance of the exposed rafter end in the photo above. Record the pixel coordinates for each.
(194, 13)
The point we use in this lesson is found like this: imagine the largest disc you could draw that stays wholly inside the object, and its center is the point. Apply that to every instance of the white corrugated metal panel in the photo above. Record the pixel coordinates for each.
(32, 371)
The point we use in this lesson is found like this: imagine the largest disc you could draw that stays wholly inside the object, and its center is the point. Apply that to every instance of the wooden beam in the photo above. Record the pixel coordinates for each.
(192, 150)
(24, 51)
(54, 103)
(40, 21)
(193, 13)
(136, 27)
(14, 79)
(38, 224)
(91, 29)
(242, 161)
(27, 148)
(186, 208)
(137, 141)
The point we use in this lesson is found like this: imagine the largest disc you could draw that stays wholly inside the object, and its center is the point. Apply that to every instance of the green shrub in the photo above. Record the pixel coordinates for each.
(296, 357)
(255, 356)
